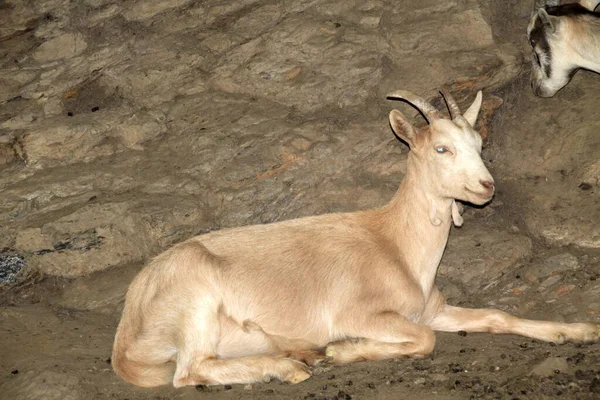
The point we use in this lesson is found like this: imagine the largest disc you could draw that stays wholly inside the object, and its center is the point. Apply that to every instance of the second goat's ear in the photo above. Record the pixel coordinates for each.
(550, 22)
(402, 127)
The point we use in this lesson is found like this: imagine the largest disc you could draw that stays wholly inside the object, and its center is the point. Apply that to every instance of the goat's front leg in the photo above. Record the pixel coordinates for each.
(381, 336)
(454, 319)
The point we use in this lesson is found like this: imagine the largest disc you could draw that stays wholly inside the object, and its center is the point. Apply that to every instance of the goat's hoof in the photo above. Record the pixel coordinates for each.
(297, 376)
(297, 372)
(594, 334)
(581, 332)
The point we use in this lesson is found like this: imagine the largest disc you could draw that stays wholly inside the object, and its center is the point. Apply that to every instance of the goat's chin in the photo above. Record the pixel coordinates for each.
(477, 199)
(545, 93)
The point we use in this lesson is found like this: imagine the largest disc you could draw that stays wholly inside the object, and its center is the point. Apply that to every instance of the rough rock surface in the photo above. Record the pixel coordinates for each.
(143, 123)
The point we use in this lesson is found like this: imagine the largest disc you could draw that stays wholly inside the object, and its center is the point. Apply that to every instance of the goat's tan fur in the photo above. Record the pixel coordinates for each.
(258, 302)
(589, 4)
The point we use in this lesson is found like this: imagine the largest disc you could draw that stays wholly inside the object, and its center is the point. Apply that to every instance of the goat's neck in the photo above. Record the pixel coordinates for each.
(587, 46)
(419, 224)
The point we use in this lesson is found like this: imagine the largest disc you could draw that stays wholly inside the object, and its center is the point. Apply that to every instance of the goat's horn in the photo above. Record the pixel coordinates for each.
(430, 112)
(452, 106)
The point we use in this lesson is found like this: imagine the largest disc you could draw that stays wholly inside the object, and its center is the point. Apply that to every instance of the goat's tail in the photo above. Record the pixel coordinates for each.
(149, 360)
(140, 293)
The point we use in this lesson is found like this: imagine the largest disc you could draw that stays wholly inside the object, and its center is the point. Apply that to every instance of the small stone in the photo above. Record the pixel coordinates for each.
(462, 333)
(549, 366)
(227, 387)
(419, 381)
(531, 278)
(564, 289)
(439, 377)
(10, 267)
(549, 282)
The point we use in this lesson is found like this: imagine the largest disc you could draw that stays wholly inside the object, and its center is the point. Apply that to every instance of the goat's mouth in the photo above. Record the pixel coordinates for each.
(484, 197)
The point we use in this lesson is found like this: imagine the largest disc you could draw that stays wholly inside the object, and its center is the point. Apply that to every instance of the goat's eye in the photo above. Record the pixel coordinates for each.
(441, 149)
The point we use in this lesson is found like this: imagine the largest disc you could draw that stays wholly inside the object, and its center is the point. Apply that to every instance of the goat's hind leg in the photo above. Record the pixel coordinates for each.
(453, 319)
(298, 349)
(383, 336)
(198, 362)
(248, 369)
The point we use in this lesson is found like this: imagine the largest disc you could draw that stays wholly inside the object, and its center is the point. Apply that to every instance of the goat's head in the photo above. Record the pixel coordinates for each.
(447, 152)
(551, 32)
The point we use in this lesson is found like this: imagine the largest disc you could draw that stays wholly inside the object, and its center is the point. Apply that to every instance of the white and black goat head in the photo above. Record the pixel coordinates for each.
(563, 38)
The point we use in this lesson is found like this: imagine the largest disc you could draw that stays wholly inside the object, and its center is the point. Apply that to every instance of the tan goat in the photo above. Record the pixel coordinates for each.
(253, 303)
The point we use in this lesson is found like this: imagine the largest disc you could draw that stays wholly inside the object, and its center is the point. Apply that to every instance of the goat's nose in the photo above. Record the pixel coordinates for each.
(487, 184)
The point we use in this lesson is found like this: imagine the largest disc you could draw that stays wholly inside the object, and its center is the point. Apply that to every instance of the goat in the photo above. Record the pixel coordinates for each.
(248, 304)
(563, 39)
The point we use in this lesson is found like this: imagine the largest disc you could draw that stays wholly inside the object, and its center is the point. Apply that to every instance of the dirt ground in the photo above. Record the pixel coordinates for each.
(209, 145)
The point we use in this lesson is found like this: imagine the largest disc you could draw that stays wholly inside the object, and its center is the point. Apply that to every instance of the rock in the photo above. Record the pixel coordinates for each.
(564, 289)
(259, 20)
(99, 236)
(140, 124)
(101, 292)
(552, 165)
(551, 280)
(89, 137)
(439, 377)
(461, 30)
(33, 240)
(11, 266)
(147, 9)
(7, 151)
(42, 385)
(15, 21)
(550, 366)
(94, 238)
(476, 255)
(67, 45)
(553, 265)
(591, 176)
(420, 381)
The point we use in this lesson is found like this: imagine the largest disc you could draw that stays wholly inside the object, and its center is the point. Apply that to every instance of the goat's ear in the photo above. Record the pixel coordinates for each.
(550, 22)
(473, 111)
(402, 127)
